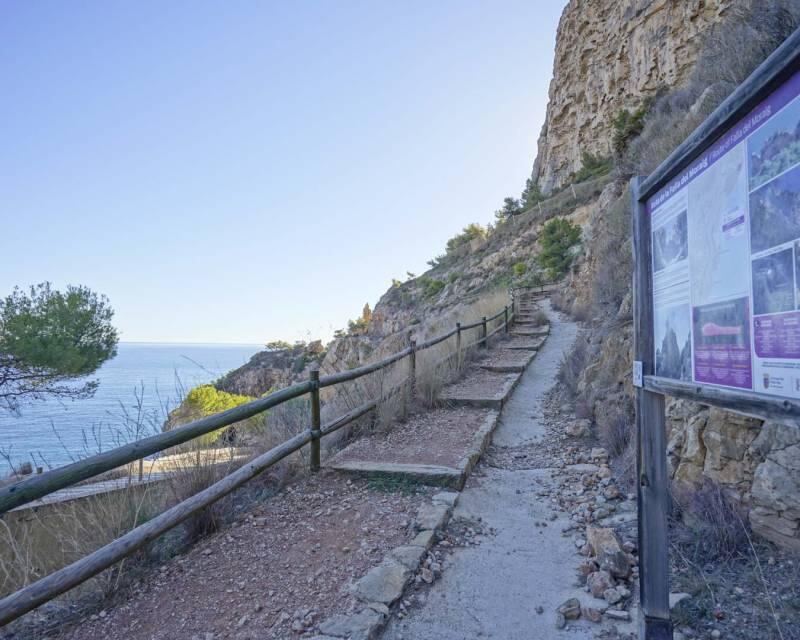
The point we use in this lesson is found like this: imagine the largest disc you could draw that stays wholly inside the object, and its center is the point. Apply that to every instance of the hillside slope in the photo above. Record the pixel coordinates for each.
(709, 449)
(673, 62)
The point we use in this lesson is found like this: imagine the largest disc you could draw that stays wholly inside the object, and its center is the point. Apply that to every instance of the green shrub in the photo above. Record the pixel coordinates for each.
(628, 125)
(359, 325)
(558, 237)
(519, 269)
(470, 232)
(437, 261)
(593, 166)
(430, 286)
(206, 400)
(278, 345)
(453, 277)
(299, 364)
(531, 195)
(510, 208)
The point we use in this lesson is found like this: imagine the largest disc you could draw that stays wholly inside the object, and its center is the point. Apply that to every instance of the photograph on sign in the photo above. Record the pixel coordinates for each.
(726, 256)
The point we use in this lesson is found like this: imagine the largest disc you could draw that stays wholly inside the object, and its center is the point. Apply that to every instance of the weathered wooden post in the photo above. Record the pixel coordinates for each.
(513, 304)
(412, 367)
(141, 469)
(458, 345)
(651, 441)
(316, 424)
(485, 333)
(505, 319)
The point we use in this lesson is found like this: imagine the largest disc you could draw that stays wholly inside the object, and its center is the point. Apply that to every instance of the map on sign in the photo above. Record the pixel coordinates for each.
(726, 257)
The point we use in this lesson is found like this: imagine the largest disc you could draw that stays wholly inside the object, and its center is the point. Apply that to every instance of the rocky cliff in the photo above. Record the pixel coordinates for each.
(612, 55)
(692, 54)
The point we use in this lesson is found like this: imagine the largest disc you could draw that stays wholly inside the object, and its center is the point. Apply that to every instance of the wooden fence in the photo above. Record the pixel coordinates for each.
(26, 491)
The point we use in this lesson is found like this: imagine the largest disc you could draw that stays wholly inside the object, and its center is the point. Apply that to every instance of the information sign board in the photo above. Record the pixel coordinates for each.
(725, 237)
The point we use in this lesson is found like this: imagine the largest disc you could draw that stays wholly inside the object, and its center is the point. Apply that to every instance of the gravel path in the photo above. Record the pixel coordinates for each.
(510, 584)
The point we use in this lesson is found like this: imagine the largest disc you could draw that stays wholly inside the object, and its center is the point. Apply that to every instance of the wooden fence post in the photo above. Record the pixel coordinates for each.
(485, 333)
(505, 319)
(316, 424)
(458, 345)
(513, 304)
(412, 366)
(141, 469)
(655, 623)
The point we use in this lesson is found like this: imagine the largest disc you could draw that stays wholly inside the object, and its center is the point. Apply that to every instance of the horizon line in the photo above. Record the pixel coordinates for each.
(170, 342)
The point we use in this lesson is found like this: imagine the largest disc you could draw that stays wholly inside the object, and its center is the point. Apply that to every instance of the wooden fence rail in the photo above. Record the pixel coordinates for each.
(26, 491)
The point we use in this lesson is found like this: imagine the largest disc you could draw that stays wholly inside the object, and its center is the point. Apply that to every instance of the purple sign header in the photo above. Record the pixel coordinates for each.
(782, 96)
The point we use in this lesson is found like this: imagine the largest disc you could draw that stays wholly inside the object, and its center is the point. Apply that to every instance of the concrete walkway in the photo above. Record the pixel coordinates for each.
(494, 589)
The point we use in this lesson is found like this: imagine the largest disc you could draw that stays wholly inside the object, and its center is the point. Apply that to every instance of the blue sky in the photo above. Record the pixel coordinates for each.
(247, 171)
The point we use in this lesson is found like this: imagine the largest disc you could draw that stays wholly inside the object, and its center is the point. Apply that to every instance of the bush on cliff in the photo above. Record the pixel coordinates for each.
(593, 166)
(628, 125)
(558, 237)
(471, 232)
(206, 400)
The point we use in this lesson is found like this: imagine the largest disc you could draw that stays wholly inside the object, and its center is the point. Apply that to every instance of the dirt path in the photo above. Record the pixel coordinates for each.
(510, 584)
(273, 574)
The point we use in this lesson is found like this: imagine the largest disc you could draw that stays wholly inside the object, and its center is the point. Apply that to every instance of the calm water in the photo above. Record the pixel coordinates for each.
(137, 389)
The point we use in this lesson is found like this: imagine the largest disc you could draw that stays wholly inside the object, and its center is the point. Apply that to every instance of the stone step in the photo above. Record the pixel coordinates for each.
(480, 388)
(418, 439)
(507, 360)
(525, 343)
(422, 473)
(533, 332)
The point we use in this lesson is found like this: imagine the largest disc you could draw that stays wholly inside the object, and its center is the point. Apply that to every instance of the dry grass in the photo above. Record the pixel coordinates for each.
(572, 366)
(36, 542)
(190, 475)
(709, 524)
(539, 317)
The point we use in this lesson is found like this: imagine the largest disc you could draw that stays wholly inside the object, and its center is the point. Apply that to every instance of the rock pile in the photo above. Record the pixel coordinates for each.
(602, 522)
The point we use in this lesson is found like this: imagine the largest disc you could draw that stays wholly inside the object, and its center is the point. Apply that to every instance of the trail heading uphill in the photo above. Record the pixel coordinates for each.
(511, 583)
(338, 555)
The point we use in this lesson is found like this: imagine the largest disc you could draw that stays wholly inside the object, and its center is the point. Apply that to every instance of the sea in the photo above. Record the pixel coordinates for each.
(137, 390)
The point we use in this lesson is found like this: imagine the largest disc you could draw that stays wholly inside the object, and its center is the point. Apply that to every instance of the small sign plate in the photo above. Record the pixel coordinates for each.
(637, 374)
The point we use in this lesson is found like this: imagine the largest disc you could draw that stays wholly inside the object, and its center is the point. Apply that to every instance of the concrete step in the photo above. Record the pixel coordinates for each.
(480, 388)
(506, 360)
(532, 332)
(410, 450)
(525, 343)
(421, 473)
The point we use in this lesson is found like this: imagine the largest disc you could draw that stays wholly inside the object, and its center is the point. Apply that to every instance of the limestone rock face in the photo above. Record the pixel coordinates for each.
(611, 55)
(758, 461)
(776, 484)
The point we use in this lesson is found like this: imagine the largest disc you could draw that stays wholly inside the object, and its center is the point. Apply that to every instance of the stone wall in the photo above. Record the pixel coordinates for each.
(611, 55)
(757, 462)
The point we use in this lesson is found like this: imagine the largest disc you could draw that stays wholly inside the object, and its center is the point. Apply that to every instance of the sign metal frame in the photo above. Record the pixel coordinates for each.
(652, 485)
